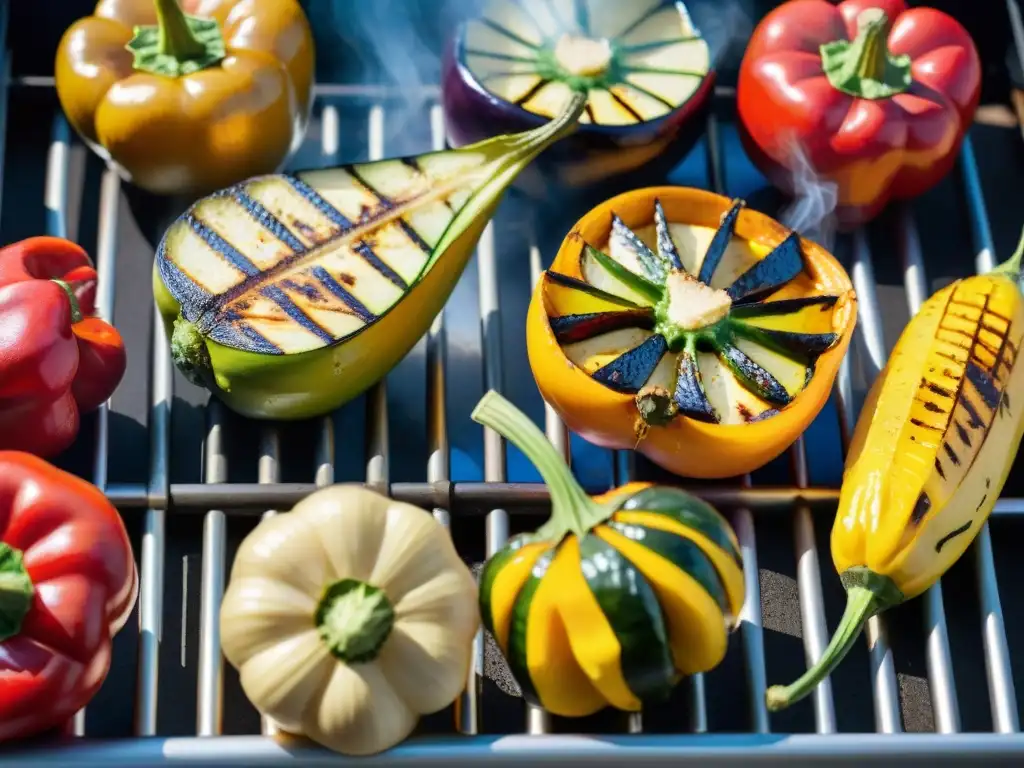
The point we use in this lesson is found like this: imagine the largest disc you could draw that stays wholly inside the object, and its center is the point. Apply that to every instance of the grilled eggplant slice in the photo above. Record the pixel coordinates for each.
(643, 64)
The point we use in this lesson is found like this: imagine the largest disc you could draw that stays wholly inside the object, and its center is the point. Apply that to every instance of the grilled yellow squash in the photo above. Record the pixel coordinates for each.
(932, 449)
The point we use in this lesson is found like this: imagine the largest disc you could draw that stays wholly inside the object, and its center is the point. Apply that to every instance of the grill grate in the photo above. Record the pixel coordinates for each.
(494, 499)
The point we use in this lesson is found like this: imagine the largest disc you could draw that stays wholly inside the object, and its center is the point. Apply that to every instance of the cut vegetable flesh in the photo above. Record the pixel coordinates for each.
(288, 264)
(638, 60)
(693, 321)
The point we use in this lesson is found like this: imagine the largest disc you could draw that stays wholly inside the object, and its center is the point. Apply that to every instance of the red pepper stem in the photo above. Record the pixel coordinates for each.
(176, 39)
(572, 510)
(864, 67)
(16, 591)
(873, 29)
(76, 310)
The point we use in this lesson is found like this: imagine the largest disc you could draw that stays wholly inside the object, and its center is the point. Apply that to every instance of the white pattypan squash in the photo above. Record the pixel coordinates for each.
(350, 617)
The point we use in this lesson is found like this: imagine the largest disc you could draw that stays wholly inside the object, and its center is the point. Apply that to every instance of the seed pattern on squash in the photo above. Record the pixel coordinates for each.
(719, 336)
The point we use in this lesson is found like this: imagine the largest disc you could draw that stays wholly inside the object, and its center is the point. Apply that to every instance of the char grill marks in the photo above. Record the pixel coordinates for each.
(962, 393)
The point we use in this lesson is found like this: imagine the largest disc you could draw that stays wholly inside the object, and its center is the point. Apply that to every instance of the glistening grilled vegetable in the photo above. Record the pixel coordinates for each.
(56, 359)
(644, 65)
(703, 334)
(616, 597)
(933, 447)
(188, 104)
(289, 295)
(67, 585)
(349, 617)
(875, 96)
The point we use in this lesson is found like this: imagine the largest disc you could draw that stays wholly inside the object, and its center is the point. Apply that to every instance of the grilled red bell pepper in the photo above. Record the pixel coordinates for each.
(67, 584)
(56, 359)
(877, 97)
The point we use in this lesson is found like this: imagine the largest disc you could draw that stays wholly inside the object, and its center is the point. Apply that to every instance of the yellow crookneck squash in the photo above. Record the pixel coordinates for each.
(616, 597)
(933, 447)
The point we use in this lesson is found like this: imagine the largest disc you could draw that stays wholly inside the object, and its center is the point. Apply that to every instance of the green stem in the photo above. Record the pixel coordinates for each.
(534, 142)
(178, 44)
(572, 510)
(176, 38)
(863, 67)
(76, 310)
(16, 591)
(354, 619)
(189, 352)
(867, 593)
(1012, 266)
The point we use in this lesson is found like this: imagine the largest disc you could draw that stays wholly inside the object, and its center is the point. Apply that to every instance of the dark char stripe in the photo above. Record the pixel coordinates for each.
(293, 311)
(984, 384)
(374, 261)
(269, 222)
(314, 198)
(335, 287)
(952, 535)
(222, 246)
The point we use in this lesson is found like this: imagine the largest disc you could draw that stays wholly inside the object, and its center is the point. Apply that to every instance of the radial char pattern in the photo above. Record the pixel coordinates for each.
(694, 322)
(639, 60)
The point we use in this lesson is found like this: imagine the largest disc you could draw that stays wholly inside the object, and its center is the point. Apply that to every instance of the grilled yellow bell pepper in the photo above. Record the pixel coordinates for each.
(616, 597)
(289, 295)
(932, 449)
(189, 103)
(702, 334)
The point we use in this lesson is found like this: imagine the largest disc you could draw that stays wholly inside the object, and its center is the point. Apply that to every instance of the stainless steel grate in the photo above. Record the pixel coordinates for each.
(500, 504)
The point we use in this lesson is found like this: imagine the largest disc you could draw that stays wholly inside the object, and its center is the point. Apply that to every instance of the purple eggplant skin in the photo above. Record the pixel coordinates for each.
(595, 157)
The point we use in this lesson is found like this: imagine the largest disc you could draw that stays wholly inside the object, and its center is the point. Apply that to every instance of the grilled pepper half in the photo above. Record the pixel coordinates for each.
(703, 334)
(183, 103)
(67, 584)
(877, 98)
(932, 449)
(616, 597)
(289, 295)
(644, 65)
(56, 359)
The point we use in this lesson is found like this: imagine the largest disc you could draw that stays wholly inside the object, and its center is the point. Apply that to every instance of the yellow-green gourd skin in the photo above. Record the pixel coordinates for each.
(288, 295)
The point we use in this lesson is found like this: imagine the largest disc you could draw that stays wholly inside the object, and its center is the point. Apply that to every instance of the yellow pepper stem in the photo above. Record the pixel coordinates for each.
(178, 45)
(867, 593)
(572, 510)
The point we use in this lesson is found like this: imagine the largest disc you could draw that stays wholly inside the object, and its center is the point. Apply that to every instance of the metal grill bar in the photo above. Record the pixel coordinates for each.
(751, 625)
(869, 329)
(940, 665)
(731, 750)
(1003, 699)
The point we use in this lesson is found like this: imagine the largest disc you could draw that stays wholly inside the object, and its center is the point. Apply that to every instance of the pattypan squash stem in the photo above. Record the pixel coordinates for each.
(354, 619)
(867, 593)
(572, 510)
(16, 591)
(864, 67)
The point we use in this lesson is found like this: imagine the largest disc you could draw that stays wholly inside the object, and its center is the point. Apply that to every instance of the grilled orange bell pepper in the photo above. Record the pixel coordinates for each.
(189, 103)
(676, 322)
